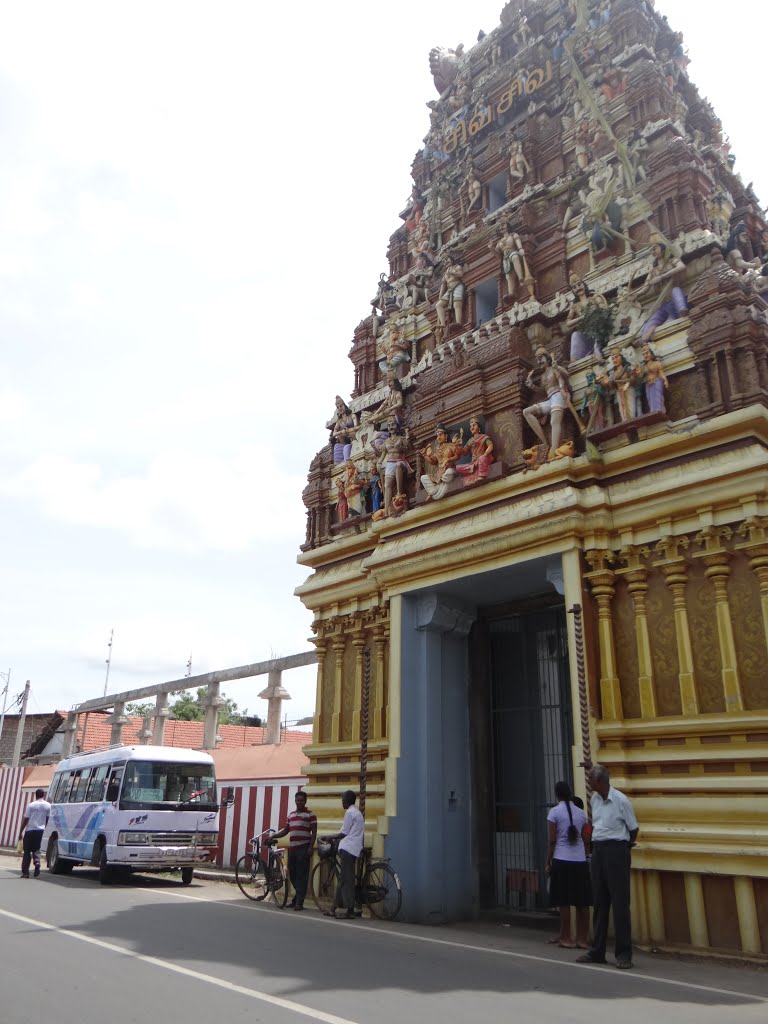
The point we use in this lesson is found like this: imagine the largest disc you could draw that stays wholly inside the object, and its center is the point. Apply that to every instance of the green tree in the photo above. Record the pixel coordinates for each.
(191, 708)
(139, 709)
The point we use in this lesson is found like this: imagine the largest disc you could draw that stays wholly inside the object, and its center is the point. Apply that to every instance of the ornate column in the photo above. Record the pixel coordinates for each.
(697, 914)
(755, 529)
(675, 572)
(601, 581)
(749, 925)
(338, 643)
(321, 646)
(717, 561)
(379, 730)
(636, 575)
(358, 645)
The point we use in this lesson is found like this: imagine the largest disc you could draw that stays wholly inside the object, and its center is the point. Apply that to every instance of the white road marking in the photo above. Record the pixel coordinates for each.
(628, 976)
(264, 997)
(633, 975)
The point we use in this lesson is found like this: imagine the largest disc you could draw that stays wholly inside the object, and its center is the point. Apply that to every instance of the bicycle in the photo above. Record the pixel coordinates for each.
(376, 883)
(257, 878)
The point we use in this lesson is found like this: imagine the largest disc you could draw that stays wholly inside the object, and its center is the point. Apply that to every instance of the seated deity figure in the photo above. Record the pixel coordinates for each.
(394, 349)
(452, 293)
(750, 270)
(480, 449)
(418, 280)
(441, 458)
(343, 426)
(553, 381)
(666, 269)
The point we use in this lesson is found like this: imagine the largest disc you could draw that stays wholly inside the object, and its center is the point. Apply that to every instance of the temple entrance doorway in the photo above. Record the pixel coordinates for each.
(521, 670)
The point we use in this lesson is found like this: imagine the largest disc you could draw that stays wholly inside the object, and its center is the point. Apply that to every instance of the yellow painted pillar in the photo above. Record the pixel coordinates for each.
(339, 643)
(655, 907)
(749, 926)
(321, 646)
(676, 576)
(379, 710)
(639, 907)
(601, 582)
(718, 570)
(697, 915)
(755, 529)
(637, 584)
(358, 643)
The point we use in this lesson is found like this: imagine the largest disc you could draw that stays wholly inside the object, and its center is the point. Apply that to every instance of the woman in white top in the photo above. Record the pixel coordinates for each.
(569, 883)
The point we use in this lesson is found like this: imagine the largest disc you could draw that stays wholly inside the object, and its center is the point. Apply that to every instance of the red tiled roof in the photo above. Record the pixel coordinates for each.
(94, 731)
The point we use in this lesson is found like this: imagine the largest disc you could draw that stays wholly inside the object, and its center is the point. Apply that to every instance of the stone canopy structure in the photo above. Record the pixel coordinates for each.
(538, 534)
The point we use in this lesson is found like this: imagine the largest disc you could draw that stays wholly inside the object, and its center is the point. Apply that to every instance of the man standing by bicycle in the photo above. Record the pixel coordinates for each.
(301, 827)
(350, 845)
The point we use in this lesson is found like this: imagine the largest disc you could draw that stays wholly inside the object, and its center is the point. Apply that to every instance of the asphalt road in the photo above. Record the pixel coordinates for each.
(75, 952)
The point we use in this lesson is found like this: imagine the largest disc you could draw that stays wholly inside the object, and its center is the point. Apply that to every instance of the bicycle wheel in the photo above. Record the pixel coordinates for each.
(278, 881)
(382, 892)
(251, 877)
(324, 881)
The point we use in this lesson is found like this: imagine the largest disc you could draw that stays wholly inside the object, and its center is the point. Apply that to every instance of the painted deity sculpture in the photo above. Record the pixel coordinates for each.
(583, 342)
(750, 270)
(518, 165)
(623, 376)
(353, 488)
(441, 458)
(395, 463)
(480, 449)
(374, 488)
(452, 293)
(514, 265)
(343, 426)
(418, 280)
(394, 349)
(553, 381)
(474, 188)
(654, 379)
(665, 271)
(593, 403)
(390, 409)
(342, 507)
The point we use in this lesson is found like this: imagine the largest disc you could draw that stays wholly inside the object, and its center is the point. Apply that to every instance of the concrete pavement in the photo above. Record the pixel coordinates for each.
(153, 947)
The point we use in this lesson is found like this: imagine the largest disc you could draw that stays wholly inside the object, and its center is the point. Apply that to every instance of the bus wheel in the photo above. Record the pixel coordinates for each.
(56, 864)
(105, 871)
(187, 874)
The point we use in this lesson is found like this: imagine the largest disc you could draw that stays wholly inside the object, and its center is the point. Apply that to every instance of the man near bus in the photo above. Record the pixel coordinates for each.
(301, 828)
(31, 835)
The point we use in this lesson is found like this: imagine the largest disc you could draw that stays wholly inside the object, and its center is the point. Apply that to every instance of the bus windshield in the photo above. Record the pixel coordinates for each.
(168, 785)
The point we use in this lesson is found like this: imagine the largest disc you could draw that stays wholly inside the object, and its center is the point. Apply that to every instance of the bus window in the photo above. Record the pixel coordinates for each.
(113, 789)
(77, 796)
(97, 784)
(56, 785)
(69, 779)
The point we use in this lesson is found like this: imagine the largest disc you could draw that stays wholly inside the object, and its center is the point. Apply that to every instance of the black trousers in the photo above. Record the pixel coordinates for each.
(611, 863)
(345, 895)
(31, 847)
(298, 869)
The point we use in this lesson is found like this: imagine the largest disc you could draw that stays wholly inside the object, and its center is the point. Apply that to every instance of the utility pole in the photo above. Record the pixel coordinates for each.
(7, 677)
(20, 727)
(188, 673)
(109, 659)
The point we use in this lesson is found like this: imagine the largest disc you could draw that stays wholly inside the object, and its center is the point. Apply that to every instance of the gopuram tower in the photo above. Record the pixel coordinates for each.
(538, 530)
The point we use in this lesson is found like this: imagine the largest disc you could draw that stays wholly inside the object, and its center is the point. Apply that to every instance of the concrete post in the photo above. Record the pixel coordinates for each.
(212, 702)
(70, 735)
(117, 719)
(20, 728)
(161, 713)
(146, 730)
(275, 695)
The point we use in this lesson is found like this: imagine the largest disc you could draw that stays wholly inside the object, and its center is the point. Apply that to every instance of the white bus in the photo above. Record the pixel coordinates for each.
(132, 808)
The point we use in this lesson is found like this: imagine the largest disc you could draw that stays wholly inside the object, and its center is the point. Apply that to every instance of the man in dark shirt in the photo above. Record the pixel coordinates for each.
(301, 827)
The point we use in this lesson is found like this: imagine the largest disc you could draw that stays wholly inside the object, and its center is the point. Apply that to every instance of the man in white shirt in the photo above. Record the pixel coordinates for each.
(350, 840)
(614, 832)
(32, 828)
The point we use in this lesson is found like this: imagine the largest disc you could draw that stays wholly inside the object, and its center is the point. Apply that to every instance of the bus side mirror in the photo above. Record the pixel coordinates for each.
(228, 796)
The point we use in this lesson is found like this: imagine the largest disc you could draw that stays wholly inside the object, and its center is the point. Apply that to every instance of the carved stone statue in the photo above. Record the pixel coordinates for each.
(583, 342)
(750, 270)
(518, 165)
(593, 403)
(418, 281)
(444, 65)
(553, 381)
(394, 349)
(624, 377)
(441, 458)
(353, 488)
(395, 463)
(452, 293)
(474, 187)
(342, 507)
(513, 262)
(665, 270)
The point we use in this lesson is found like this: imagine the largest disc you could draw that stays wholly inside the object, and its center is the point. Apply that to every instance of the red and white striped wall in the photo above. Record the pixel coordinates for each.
(13, 802)
(257, 806)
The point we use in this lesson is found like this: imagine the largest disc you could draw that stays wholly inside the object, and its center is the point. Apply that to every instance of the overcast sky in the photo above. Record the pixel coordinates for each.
(195, 203)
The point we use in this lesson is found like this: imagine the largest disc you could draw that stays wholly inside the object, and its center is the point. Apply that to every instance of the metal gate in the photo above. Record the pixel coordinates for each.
(532, 736)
